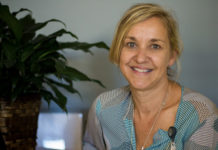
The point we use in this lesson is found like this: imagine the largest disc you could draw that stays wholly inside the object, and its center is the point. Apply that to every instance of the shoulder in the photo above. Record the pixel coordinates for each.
(112, 97)
(203, 105)
(206, 135)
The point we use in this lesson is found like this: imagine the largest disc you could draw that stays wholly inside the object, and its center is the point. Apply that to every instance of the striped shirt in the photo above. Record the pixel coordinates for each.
(110, 123)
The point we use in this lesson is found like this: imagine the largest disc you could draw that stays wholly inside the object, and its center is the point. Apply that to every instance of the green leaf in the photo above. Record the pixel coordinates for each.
(98, 82)
(44, 67)
(76, 75)
(43, 38)
(27, 22)
(60, 99)
(48, 52)
(28, 51)
(61, 32)
(11, 21)
(65, 86)
(47, 95)
(84, 46)
(70, 73)
(17, 88)
(21, 10)
(35, 68)
(10, 52)
(60, 67)
(40, 25)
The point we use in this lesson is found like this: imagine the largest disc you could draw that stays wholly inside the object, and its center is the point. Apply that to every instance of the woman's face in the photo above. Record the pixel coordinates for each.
(146, 54)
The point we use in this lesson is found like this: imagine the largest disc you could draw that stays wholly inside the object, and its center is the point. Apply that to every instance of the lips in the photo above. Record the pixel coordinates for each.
(141, 70)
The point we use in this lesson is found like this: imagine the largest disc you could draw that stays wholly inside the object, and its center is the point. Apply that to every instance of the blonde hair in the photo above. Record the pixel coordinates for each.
(138, 13)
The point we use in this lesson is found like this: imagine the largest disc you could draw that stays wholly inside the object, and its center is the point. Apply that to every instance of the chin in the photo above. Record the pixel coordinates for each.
(140, 87)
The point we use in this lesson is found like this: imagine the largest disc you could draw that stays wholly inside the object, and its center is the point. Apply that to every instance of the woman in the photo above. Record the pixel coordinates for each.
(153, 111)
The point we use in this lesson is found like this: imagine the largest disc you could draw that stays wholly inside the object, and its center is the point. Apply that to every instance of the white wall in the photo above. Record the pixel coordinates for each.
(95, 20)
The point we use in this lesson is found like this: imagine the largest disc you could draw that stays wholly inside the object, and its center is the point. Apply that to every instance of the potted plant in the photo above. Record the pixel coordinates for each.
(28, 64)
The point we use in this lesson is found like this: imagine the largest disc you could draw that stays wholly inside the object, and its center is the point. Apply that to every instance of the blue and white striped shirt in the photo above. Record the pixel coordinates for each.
(110, 123)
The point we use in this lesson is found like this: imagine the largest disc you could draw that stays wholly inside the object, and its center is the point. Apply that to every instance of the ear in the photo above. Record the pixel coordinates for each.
(173, 58)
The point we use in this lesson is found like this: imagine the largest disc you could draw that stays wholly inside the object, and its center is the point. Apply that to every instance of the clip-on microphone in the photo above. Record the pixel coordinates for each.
(172, 134)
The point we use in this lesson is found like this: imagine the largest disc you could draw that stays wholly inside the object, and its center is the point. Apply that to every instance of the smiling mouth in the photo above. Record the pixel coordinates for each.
(141, 70)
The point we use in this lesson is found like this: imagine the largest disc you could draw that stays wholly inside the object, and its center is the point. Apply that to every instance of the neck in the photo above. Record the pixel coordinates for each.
(148, 102)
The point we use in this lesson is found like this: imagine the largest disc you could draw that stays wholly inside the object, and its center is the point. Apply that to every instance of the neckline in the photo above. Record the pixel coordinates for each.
(175, 124)
(159, 131)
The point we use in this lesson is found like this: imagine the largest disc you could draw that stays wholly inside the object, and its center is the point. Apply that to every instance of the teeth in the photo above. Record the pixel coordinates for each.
(142, 70)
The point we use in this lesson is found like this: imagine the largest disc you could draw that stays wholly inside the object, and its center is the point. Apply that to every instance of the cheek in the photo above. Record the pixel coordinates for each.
(124, 57)
(161, 61)
(122, 60)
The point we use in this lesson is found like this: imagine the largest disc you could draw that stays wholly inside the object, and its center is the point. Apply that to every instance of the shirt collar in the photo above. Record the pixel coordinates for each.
(129, 109)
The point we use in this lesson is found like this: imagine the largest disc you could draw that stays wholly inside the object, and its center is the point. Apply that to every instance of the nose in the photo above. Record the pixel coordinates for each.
(142, 55)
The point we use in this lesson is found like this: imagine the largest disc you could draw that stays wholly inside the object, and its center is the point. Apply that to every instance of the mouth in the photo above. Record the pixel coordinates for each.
(141, 70)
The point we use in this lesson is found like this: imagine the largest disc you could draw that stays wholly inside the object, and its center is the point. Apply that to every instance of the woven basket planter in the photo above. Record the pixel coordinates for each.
(18, 122)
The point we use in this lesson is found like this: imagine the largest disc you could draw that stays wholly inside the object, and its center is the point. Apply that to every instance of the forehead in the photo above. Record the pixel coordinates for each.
(150, 27)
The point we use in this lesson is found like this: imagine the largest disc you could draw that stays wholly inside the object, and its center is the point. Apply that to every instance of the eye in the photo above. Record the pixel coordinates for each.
(131, 44)
(155, 46)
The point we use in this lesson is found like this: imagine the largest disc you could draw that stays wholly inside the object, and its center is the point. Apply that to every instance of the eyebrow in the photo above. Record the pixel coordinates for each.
(131, 38)
(152, 40)
(157, 40)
